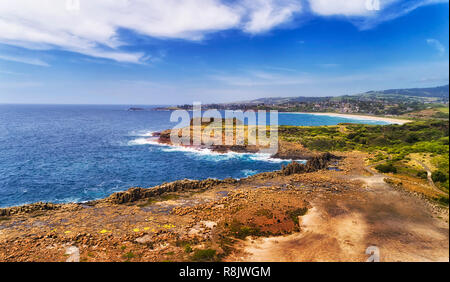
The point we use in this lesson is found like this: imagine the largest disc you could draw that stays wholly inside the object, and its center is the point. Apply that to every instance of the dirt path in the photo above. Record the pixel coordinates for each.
(379, 176)
(342, 227)
(430, 180)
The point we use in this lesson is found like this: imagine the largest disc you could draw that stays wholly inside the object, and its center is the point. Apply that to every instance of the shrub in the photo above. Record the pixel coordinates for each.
(412, 137)
(422, 174)
(296, 213)
(386, 168)
(188, 249)
(129, 255)
(241, 231)
(439, 176)
(204, 255)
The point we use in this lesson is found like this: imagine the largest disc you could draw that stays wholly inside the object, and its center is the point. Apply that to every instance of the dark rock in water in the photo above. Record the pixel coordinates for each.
(314, 164)
(136, 109)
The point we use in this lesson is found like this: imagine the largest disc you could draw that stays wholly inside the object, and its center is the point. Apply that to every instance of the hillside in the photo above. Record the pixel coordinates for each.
(440, 92)
(432, 92)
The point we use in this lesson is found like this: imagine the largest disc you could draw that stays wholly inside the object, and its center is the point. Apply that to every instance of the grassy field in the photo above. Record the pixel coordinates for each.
(444, 110)
(406, 150)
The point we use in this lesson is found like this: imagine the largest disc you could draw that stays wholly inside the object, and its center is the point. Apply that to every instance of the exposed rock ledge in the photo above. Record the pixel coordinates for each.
(314, 164)
(36, 207)
(137, 193)
(134, 194)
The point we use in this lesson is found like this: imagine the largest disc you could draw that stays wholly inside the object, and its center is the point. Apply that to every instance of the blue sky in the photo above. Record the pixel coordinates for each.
(174, 51)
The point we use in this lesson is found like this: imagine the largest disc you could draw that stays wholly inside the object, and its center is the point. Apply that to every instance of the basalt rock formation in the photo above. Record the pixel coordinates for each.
(314, 164)
(36, 207)
(137, 193)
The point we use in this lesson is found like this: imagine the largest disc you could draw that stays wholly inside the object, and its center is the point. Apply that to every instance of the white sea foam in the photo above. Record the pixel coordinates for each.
(205, 153)
(249, 172)
(141, 133)
(139, 141)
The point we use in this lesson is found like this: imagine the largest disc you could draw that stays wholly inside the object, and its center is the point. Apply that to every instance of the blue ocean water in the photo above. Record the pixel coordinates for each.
(73, 153)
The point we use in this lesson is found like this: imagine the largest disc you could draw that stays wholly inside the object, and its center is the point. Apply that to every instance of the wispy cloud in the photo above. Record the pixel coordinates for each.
(264, 15)
(10, 72)
(366, 14)
(437, 45)
(24, 60)
(409, 74)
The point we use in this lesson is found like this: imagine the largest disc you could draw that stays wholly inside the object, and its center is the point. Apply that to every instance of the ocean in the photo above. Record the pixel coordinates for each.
(76, 153)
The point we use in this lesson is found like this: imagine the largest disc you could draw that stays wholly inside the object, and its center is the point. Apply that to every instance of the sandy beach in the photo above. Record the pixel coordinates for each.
(360, 117)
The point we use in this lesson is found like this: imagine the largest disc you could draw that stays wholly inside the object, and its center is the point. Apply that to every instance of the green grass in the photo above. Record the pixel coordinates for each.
(444, 110)
(420, 136)
(129, 255)
(241, 231)
(207, 255)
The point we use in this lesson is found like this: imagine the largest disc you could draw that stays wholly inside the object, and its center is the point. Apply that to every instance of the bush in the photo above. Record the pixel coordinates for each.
(204, 255)
(439, 176)
(412, 138)
(188, 249)
(422, 174)
(443, 200)
(386, 168)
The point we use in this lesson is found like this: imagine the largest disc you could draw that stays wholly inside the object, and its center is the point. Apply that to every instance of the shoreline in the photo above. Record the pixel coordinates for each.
(154, 140)
(390, 120)
(27, 208)
(358, 117)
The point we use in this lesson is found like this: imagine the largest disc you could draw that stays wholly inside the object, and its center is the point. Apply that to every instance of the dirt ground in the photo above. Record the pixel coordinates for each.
(342, 227)
(329, 215)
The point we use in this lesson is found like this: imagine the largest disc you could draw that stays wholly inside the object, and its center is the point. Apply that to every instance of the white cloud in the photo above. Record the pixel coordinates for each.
(94, 29)
(366, 14)
(340, 7)
(266, 14)
(437, 45)
(24, 60)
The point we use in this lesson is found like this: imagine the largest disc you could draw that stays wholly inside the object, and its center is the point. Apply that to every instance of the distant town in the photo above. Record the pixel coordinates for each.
(419, 102)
